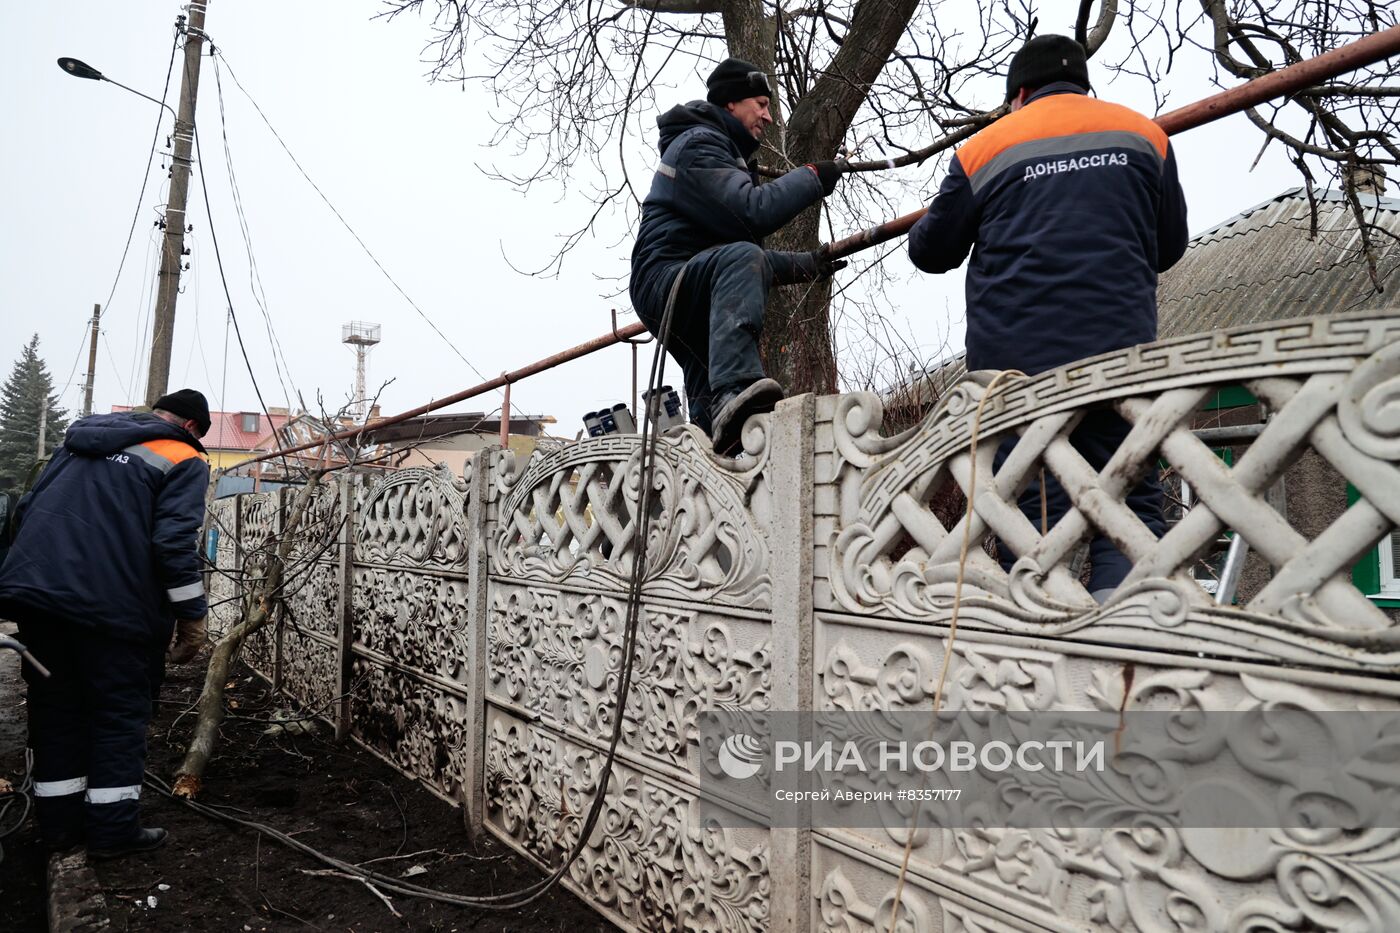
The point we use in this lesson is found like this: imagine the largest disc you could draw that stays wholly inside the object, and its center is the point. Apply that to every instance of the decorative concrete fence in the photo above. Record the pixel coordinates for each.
(469, 630)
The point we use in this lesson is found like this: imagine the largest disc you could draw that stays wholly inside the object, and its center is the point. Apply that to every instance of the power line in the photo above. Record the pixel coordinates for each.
(146, 176)
(69, 383)
(255, 286)
(116, 370)
(228, 297)
(223, 378)
(143, 313)
(344, 222)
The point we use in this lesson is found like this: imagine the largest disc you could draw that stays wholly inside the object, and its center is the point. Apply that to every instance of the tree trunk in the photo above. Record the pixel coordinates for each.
(797, 346)
(210, 708)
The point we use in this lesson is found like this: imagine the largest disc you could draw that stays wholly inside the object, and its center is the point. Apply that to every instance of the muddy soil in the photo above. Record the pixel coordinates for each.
(336, 798)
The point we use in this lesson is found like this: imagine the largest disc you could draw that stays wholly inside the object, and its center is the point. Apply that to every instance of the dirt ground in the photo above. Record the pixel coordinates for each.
(337, 798)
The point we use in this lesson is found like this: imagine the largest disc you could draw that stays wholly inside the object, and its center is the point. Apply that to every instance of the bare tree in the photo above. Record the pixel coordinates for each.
(272, 568)
(890, 84)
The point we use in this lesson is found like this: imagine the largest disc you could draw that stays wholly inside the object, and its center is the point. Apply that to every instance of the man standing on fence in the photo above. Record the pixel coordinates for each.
(700, 245)
(1070, 206)
(104, 567)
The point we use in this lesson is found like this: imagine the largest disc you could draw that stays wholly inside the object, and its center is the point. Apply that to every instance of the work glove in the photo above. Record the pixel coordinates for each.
(190, 635)
(829, 172)
(814, 265)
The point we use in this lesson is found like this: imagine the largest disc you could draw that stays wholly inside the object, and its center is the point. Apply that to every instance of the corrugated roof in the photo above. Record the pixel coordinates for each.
(1262, 265)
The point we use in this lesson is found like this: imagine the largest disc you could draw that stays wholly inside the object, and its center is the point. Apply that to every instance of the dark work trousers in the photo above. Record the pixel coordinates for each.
(87, 727)
(1096, 438)
(716, 323)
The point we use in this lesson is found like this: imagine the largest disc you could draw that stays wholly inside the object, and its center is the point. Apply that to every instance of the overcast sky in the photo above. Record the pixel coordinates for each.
(398, 157)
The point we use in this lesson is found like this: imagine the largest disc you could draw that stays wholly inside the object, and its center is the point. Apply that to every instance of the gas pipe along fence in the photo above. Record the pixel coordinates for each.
(469, 629)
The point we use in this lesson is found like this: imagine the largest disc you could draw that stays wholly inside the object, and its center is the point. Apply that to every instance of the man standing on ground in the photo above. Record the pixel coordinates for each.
(104, 567)
(703, 221)
(1071, 207)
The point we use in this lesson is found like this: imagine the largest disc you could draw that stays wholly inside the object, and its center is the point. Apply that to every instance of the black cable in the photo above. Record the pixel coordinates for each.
(346, 224)
(223, 279)
(641, 529)
(255, 285)
(22, 795)
(63, 390)
(146, 176)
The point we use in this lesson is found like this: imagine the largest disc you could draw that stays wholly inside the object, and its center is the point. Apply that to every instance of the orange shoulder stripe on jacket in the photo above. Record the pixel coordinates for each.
(1056, 115)
(172, 450)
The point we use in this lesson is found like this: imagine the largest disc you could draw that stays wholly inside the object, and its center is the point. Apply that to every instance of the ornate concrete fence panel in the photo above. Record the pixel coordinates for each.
(411, 673)
(470, 631)
(1032, 639)
(561, 556)
(221, 549)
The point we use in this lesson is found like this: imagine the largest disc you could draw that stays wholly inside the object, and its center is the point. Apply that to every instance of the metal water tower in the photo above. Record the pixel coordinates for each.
(361, 337)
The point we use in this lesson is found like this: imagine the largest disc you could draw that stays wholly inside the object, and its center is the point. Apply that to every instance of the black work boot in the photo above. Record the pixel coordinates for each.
(145, 840)
(730, 414)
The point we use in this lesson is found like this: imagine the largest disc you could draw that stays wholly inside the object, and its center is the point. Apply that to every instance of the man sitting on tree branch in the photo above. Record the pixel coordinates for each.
(700, 241)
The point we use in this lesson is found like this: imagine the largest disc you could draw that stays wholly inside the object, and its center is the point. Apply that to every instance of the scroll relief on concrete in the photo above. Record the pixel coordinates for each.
(1331, 385)
(224, 608)
(419, 728)
(260, 522)
(311, 599)
(561, 558)
(410, 605)
(650, 861)
(309, 670)
(569, 515)
(410, 577)
(843, 907)
(558, 655)
(1156, 872)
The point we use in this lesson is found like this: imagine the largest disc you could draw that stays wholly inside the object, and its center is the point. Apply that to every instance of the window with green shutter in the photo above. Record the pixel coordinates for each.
(1377, 574)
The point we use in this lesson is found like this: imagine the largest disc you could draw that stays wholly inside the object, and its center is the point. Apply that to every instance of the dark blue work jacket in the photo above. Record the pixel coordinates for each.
(705, 193)
(108, 535)
(1070, 206)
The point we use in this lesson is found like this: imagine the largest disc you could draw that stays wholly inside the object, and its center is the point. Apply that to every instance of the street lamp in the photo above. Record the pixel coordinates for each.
(81, 69)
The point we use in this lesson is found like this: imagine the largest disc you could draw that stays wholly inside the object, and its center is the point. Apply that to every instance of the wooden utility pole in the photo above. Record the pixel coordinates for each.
(172, 255)
(92, 362)
(43, 423)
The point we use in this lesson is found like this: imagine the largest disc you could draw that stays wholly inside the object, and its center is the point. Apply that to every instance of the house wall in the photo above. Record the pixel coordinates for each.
(458, 453)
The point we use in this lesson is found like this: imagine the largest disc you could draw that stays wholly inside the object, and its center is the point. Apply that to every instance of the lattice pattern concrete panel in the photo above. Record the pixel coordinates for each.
(1330, 384)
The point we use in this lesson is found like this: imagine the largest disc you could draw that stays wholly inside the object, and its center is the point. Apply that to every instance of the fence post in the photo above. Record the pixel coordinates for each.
(240, 591)
(345, 636)
(478, 611)
(279, 525)
(792, 445)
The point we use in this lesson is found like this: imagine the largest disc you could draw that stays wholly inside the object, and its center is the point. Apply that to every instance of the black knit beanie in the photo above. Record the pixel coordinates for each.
(735, 79)
(187, 403)
(1046, 59)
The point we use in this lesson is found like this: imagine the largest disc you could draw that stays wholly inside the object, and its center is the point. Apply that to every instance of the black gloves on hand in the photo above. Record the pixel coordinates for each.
(828, 173)
(825, 265)
(817, 264)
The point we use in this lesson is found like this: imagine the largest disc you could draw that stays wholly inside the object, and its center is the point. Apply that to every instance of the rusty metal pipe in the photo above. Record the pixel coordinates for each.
(505, 379)
(1365, 51)
(505, 418)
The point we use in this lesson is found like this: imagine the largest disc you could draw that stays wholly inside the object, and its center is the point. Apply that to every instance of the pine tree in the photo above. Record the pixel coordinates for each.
(22, 400)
